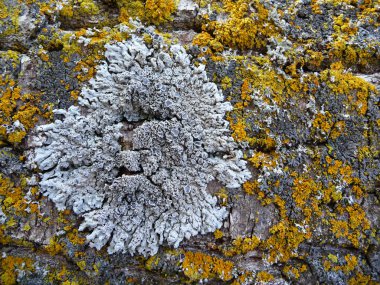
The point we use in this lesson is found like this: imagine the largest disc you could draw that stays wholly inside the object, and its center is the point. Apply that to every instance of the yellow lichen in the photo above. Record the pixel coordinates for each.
(243, 29)
(54, 247)
(152, 262)
(159, 11)
(19, 111)
(264, 276)
(218, 234)
(197, 266)
(10, 265)
(151, 11)
(242, 246)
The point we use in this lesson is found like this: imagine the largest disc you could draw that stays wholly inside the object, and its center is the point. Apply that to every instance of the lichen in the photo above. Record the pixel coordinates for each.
(198, 266)
(19, 111)
(152, 158)
(151, 11)
(13, 266)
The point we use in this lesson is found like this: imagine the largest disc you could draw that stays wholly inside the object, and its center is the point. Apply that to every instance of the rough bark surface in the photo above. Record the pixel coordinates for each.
(303, 80)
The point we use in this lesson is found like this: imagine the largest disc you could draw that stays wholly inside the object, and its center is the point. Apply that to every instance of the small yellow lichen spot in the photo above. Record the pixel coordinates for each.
(333, 258)
(218, 234)
(81, 265)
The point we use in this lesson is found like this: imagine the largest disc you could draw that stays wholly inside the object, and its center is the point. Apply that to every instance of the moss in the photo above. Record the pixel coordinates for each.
(226, 83)
(333, 258)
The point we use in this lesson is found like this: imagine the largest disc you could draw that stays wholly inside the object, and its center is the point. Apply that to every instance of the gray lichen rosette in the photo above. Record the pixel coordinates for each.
(134, 159)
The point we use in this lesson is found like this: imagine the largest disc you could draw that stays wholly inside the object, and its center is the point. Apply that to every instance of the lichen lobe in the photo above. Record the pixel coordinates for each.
(135, 158)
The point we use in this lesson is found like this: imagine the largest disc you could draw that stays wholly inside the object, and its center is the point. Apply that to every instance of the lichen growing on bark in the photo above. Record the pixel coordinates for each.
(136, 158)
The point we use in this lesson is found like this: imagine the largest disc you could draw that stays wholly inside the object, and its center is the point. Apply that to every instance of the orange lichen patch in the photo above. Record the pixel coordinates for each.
(159, 11)
(352, 262)
(244, 28)
(314, 58)
(353, 226)
(263, 160)
(197, 266)
(361, 279)
(284, 241)
(241, 246)
(273, 89)
(64, 276)
(151, 11)
(75, 238)
(43, 55)
(12, 197)
(315, 7)
(9, 18)
(358, 191)
(336, 263)
(341, 47)
(357, 89)
(305, 193)
(264, 276)
(204, 39)
(79, 8)
(294, 271)
(252, 187)
(339, 228)
(54, 247)
(324, 123)
(344, 27)
(11, 265)
(218, 234)
(19, 112)
(340, 170)
(128, 8)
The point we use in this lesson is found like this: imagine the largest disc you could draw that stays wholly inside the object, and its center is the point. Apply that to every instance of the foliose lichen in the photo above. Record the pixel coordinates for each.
(136, 157)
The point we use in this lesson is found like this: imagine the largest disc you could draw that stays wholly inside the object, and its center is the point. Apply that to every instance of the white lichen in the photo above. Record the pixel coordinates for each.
(136, 157)
(3, 217)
